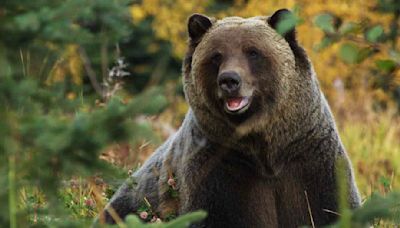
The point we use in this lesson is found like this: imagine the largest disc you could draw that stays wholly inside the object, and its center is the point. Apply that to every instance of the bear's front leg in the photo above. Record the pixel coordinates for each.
(139, 189)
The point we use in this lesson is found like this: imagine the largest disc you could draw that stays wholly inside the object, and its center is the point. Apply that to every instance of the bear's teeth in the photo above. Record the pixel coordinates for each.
(234, 104)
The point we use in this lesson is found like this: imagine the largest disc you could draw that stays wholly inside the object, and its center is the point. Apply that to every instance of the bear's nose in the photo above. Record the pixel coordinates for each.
(229, 81)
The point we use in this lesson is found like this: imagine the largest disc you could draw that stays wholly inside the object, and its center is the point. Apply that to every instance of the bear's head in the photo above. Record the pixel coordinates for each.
(241, 76)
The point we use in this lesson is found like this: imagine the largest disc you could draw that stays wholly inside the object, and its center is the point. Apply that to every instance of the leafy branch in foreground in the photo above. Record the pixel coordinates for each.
(47, 139)
(375, 210)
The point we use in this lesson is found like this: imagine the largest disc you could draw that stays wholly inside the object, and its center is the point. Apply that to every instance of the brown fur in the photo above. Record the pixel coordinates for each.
(253, 169)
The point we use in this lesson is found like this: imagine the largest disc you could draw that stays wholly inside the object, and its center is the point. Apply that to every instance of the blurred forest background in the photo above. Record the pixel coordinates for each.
(89, 88)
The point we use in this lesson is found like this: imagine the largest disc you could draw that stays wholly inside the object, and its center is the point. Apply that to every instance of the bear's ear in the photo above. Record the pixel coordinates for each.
(278, 16)
(198, 24)
(290, 36)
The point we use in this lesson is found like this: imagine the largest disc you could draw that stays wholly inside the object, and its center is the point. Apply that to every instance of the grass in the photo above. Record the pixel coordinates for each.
(372, 145)
(374, 148)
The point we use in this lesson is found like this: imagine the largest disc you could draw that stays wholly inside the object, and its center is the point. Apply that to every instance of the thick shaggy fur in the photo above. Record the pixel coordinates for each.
(263, 168)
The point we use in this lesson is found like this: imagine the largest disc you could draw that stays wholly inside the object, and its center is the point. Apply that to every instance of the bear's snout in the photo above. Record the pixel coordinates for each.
(229, 82)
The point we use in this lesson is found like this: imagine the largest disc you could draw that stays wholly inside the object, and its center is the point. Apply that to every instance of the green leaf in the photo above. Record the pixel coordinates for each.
(349, 53)
(287, 23)
(374, 33)
(386, 65)
(325, 42)
(133, 221)
(184, 221)
(325, 22)
(348, 27)
(363, 54)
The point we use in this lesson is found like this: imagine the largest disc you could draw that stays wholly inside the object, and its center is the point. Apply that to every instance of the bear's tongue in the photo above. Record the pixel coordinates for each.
(234, 104)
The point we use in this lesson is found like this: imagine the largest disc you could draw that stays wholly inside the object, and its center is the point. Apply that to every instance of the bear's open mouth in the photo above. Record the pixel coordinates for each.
(237, 105)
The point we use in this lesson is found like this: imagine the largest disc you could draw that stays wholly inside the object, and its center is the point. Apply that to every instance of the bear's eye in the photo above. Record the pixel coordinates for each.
(216, 58)
(253, 53)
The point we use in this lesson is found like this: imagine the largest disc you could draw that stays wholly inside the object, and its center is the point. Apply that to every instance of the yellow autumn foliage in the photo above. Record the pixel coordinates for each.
(170, 24)
(69, 65)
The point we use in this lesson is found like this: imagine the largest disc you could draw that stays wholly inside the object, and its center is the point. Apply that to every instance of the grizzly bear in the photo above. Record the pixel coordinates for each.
(258, 146)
